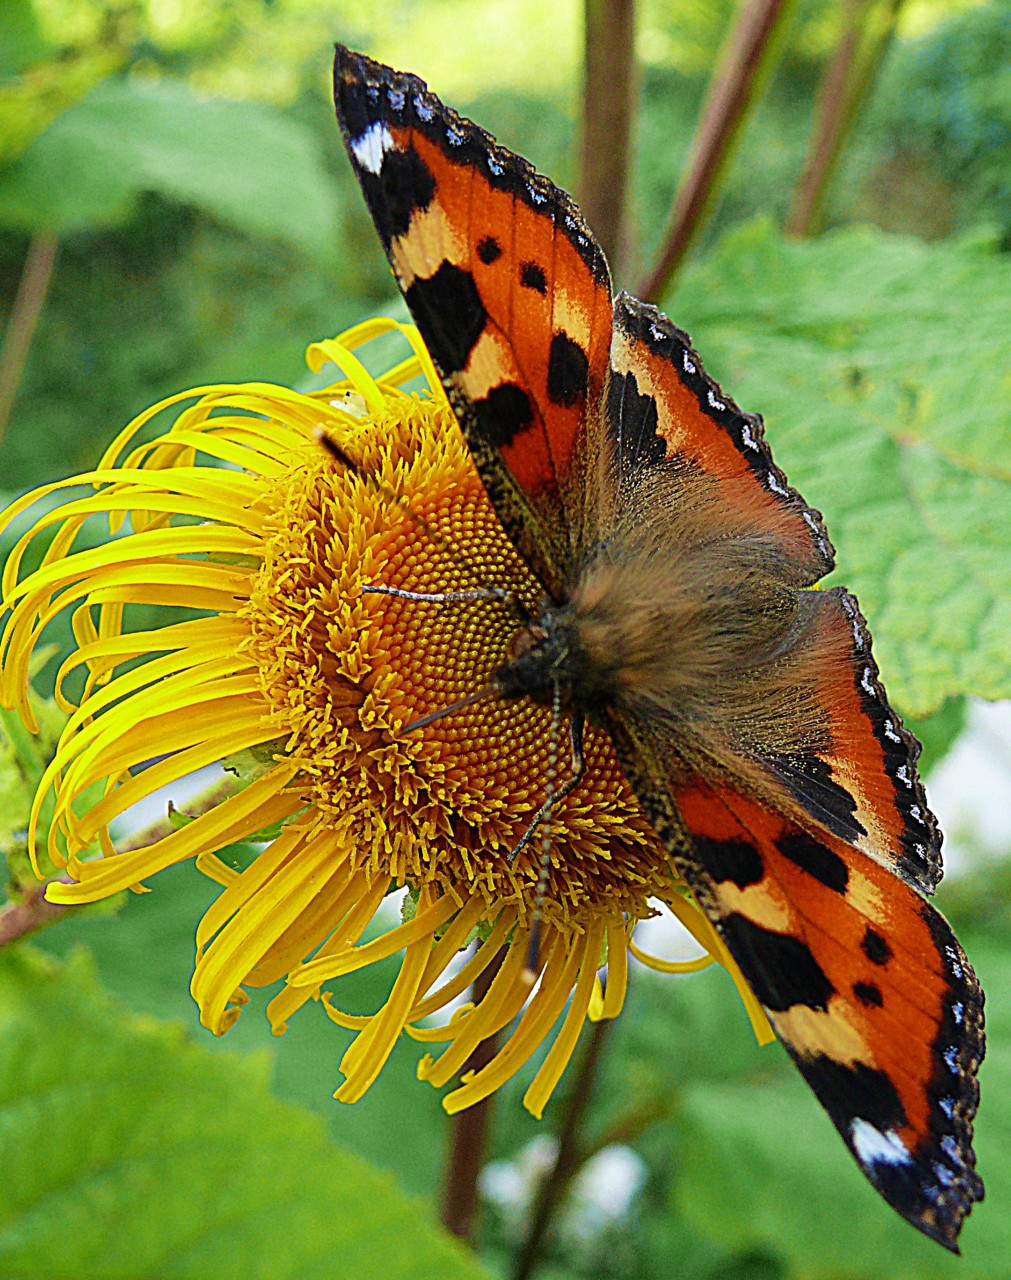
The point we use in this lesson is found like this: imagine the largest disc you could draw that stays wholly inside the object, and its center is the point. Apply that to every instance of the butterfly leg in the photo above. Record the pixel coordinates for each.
(577, 769)
(543, 817)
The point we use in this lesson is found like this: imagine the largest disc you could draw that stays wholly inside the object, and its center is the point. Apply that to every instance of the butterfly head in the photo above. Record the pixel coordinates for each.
(565, 648)
(539, 656)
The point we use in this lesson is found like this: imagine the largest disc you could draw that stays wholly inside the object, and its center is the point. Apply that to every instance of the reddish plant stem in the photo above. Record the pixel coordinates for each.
(747, 54)
(570, 1155)
(845, 87)
(468, 1135)
(24, 318)
(33, 912)
(609, 92)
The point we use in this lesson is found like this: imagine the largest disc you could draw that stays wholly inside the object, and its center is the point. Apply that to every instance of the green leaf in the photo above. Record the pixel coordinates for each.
(30, 102)
(882, 366)
(145, 956)
(21, 38)
(762, 1167)
(242, 162)
(130, 1152)
(939, 732)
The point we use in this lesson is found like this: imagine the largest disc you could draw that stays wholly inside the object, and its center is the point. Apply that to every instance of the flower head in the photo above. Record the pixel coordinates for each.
(285, 643)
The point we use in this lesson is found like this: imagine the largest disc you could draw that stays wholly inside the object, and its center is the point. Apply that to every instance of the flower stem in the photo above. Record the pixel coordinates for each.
(468, 1135)
(867, 34)
(747, 55)
(570, 1154)
(31, 296)
(33, 912)
(609, 91)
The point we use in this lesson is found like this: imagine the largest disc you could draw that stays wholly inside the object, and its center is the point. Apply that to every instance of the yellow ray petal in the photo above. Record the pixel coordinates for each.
(301, 875)
(545, 1006)
(262, 803)
(423, 925)
(550, 1072)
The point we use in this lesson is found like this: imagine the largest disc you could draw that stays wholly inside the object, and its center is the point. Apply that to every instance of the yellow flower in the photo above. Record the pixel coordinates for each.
(237, 520)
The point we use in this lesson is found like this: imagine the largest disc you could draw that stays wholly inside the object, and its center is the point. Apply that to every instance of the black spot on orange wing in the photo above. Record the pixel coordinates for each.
(816, 859)
(869, 994)
(454, 313)
(532, 277)
(781, 970)
(489, 250)
(568, 369)
(850, 1091)
(503, 414)
(404, 187)
(731, 861)
(875, 947)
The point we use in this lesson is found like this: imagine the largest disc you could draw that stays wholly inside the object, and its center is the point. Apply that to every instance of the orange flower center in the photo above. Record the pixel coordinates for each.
(345, 671)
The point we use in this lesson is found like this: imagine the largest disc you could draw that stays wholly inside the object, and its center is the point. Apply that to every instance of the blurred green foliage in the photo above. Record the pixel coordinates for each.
(943, 121)
(208, 230)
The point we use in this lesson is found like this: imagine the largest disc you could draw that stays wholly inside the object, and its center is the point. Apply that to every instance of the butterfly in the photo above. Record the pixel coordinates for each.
(677, 566)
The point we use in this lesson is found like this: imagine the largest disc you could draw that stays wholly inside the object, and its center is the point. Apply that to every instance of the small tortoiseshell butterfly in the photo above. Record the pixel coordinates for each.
(676, 563)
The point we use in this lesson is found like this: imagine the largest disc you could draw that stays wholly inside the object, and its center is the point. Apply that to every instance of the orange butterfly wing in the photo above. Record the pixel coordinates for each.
(509, 289)
(870, 759)
(864, 786)
(863, 981)
(663, 405)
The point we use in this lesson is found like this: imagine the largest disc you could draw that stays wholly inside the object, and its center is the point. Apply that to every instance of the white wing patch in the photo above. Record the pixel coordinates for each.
(373, 144)
(874, 1147)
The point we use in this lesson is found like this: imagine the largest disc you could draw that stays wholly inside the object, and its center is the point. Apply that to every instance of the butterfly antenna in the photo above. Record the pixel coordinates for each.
(330, 446)
(479, 695)
(534, 945)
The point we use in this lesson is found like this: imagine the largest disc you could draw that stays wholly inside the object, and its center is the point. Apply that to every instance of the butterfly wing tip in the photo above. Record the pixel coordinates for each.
(947, 1232)
(943, 1222)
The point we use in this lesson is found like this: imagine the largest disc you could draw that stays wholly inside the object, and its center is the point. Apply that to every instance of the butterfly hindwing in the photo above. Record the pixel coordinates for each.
(863, 981)
(865, 761)
(663, 405)
(509, 289)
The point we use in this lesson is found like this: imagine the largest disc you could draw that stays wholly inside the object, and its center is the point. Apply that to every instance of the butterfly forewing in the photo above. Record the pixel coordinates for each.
(510, 291)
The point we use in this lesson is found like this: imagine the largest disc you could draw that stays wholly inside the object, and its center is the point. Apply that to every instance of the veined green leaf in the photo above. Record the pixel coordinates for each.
(130, 1152)
(882, 366)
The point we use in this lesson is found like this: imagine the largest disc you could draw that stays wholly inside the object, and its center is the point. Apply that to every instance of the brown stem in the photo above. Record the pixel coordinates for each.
(609, 91)
(844, 88)
(747, 54)
(627, 1128)
(569, 1157)
(31, 296)
(468, 1135)
(33, 912)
